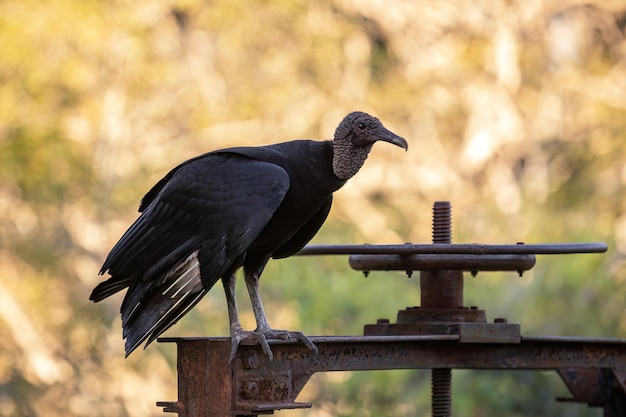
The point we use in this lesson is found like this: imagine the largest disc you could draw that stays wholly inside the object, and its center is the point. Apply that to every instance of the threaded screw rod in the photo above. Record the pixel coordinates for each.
(441, 394)
(441, 378)
(442, 222)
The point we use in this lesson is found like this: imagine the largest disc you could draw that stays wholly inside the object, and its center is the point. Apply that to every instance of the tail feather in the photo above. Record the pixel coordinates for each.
(109, 287)
(152, 307)
(150, 324)
(145, 316)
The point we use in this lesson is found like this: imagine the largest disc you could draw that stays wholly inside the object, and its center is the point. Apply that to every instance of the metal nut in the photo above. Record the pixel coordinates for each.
(250, 389)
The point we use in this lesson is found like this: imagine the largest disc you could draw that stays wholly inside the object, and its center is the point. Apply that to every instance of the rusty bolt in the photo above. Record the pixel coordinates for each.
(250, 389)
(251, 361)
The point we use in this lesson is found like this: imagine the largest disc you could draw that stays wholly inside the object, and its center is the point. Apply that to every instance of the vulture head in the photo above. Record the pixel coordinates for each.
(354, 138)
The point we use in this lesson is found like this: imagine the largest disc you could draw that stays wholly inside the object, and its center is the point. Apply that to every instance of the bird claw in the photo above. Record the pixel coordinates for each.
(302, 339)
(261, 336)
(239, 336)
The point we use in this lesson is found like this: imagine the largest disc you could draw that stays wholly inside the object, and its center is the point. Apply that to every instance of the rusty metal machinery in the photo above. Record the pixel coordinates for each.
(441, 334)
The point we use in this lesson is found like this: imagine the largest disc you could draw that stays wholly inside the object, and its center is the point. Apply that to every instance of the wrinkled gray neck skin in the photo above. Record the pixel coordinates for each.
(348, 158)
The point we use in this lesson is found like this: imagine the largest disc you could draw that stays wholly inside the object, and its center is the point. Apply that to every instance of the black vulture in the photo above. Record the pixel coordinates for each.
(226, 209)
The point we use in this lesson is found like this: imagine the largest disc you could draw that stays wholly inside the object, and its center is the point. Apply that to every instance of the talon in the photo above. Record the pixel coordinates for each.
(261, 337)
(237, 336)
(305, 341)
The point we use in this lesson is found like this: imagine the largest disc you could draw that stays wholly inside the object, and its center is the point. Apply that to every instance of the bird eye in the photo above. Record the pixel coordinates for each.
(361, 126)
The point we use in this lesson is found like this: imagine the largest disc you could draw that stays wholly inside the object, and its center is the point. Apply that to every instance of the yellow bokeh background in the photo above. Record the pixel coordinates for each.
(514, 111)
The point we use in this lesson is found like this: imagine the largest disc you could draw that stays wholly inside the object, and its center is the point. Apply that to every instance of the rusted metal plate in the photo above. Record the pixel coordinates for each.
(454, 315)
(490, 333)
(467, 332)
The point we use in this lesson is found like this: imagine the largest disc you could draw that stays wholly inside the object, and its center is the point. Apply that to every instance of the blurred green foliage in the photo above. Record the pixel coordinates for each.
(515, 112)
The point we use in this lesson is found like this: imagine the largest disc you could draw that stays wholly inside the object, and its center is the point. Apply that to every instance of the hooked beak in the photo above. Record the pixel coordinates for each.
(388, 136)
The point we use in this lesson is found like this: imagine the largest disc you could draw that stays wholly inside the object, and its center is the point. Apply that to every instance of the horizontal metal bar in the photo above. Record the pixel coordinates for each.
(426, 352)
(468, 249)
(431, 262)
(323, 339)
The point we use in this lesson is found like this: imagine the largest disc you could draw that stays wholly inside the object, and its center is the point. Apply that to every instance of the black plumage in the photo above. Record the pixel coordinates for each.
(227, 209)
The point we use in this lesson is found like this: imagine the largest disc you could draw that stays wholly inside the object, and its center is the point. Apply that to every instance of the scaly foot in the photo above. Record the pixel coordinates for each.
(261, 336)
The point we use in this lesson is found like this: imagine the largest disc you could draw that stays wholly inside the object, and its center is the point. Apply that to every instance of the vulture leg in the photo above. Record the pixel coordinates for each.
(237, 334)
(263, 330)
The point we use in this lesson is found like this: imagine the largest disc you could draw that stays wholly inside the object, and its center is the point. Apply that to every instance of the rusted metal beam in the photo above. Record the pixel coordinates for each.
(205, 379)
(253, 385)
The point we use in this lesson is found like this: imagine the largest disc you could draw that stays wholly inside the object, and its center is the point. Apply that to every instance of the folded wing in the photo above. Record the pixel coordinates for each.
(196, 225)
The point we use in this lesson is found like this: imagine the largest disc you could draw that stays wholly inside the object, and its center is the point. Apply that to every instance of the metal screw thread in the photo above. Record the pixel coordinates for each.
(441, 395)
(442, 222)
(441, 379)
